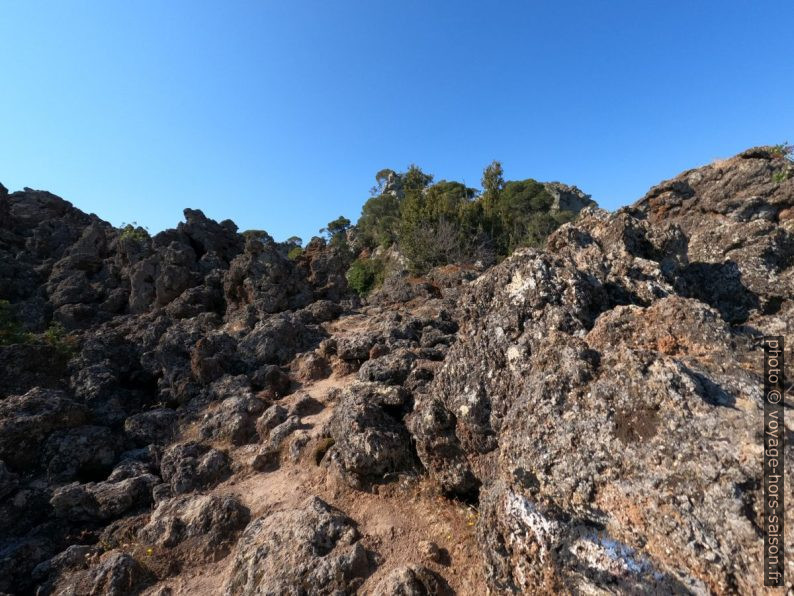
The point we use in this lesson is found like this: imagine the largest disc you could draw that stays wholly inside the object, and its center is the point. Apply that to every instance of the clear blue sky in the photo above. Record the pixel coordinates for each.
(278, 114)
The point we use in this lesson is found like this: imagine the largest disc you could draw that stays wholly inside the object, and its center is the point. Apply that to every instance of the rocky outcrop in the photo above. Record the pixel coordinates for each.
(567, 198)
(191, 466)
(593, 409)
(314, 546)
(145, 335)
(27, 420)
(128, 488)
(198, 528)
(603, 400)
(370, 438)
(411, 580)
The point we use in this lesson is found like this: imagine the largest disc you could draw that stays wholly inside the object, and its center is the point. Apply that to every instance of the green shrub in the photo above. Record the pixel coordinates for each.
(365, 275)
(447, 222)
(782, 150)
(294, 253)
(134, 232)
(57, 337)
(785, 152)
(782, 175)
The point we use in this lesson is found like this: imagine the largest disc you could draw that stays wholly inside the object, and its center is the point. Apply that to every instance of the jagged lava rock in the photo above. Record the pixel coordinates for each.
(603, 400)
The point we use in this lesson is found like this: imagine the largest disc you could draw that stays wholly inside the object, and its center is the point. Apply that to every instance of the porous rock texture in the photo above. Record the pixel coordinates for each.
(603, 401)
(209, 416)
(311, 549)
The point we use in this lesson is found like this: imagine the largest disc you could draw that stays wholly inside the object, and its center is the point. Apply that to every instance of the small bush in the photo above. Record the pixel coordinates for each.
(294, 253)
(365, 275)
(57, 337)
(782, 175)
(783, 150)
(134, 232)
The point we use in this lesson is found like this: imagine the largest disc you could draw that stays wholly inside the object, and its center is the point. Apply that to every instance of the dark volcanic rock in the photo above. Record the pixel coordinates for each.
(115, 574)
(82, 452)
(587, 378)
(314, 546)
(390, 369)
(104, 501)
(277, 338)
(325, 268)
(200, 528)
(234, 420)
(600, 403)
(26, 420)
(26, 366)
(192, 466)
(370, 438)
(412, 580)
(8, 480)
(152, 426)
(265, 280)
(77, 557)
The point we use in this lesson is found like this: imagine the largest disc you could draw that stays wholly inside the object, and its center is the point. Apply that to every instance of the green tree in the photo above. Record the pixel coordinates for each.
(492, 184)
(379, 221)
(430, 224)
(365, 275)
(414, 179)
(518, 202)
(381, 180)
(336, 231)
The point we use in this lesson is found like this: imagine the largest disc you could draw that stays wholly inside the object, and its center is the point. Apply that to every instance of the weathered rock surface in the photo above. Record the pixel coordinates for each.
(411, 580)
(370, 438)
(193, 466)
(313, 548)
(589, 378)
(26, 420)
(128, 488)
(115, 574)
(201, 528)
(597, 402)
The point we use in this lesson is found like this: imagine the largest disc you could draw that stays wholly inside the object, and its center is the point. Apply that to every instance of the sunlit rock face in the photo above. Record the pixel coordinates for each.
(603, 400)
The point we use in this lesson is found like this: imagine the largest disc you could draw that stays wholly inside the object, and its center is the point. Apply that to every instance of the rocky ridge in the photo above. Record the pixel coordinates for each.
(219, 418)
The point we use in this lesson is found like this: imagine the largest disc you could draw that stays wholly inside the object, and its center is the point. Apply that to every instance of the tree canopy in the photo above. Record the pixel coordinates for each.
(446, 221)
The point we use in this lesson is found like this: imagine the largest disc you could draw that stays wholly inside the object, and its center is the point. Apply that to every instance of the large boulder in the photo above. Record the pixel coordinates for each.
(127, 489)
(114, 574)
(325, 268)
(152, 426)
(26, 421)
(370, 438)
(603, 400)
(86, 452)
(412, 580)
(192, 466)
(234, 420)
(739, 221)
(195, 528)
(277, 338)
(265, 280)
(314, 546)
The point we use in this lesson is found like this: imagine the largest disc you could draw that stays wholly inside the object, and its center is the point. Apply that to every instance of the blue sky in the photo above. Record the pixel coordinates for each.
(278, 114)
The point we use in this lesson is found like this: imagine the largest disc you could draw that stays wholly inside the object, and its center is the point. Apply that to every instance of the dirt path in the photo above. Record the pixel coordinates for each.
(395, 521)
